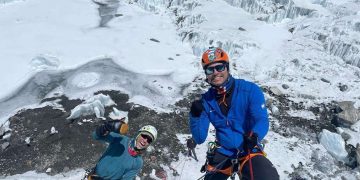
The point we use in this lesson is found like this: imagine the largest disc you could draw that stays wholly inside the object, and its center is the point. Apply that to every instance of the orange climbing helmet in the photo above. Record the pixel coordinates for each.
(214, 55)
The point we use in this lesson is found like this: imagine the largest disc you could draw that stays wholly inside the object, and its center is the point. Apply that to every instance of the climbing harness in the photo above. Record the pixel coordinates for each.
(237, 164)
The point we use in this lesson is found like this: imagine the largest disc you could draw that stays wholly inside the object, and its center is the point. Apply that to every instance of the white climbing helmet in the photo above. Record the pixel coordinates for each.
(149, 130)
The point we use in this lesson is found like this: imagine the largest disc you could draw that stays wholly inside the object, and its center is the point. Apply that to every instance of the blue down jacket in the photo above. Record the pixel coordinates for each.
(116, 162)
(247, 113)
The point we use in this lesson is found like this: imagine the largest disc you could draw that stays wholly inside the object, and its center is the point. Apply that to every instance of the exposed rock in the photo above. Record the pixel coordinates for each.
(323, 162)
(73, 147)
(347, 114)
(292, 29)
(343, 87)
(276, 91)
(345, 136)
(275, 110)
(5, 132)
(285, 86)
(358, 153)
(241, 29)
(155, 40)
(307, 96)
(287, 124)
(2, 131)
(4, 145)
(325, 80)
(322, 37)
(351, 160)
(296, 62)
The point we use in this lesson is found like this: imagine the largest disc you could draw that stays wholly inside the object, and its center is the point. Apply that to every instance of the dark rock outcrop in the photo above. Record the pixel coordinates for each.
(73, 147)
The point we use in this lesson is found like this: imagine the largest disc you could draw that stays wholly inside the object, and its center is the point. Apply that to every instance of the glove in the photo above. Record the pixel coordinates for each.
(190, 143)
(117, 126)
(250, 141)
(196, 108)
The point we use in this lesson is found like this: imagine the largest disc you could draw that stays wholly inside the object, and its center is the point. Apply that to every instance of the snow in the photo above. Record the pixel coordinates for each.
(117, 114)
(27, 140)
(74, 39)
(44, 62)
(85, 80)
(53, 130)
(354, 133)
(334, 144)
(32, 175)
(304, 114)
(94, 105)
(44, 40)
(309, 5)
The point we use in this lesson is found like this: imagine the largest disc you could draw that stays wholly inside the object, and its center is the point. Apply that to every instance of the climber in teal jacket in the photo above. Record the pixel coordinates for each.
(122, 158)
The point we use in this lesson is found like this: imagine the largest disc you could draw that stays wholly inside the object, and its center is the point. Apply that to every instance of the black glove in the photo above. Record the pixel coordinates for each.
(250, 141)
(190, 143)
(118, 126)
(196, 108)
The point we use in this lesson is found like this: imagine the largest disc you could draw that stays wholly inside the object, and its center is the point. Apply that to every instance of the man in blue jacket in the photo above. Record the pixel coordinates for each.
(236, 108)
(122, 158)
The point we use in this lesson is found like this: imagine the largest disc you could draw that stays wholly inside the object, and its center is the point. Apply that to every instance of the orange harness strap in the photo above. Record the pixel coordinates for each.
(229, 170)
(245, 159)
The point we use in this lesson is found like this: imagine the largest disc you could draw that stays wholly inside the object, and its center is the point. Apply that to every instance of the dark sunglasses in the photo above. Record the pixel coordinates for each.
(218, 68)
(148, 138)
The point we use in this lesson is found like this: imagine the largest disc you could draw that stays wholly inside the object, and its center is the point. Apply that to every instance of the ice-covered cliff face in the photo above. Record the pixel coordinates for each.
(273, 10)
(338, 31)
(302, 43)
(335, 24)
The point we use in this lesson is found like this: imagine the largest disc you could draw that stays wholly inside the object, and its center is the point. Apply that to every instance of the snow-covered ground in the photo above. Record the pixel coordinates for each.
(311, 46)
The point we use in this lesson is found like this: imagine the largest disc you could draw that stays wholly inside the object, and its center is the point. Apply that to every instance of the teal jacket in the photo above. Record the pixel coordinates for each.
(116, 162)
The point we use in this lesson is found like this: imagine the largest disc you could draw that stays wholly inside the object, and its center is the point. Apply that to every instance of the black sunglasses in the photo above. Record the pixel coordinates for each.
(218, 68)
(148, 138)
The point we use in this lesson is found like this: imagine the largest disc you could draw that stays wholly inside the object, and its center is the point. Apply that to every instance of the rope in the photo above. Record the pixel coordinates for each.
(251, 168)
(216, 168)
(182, 169)
(222, 91)
(250, 164)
